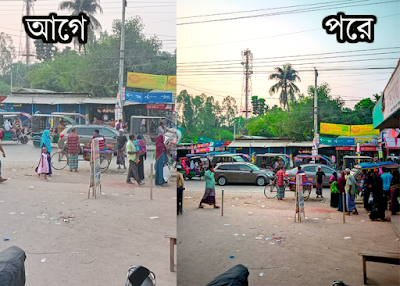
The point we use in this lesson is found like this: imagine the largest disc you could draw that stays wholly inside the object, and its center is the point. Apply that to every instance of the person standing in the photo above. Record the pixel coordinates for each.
(319, 177)
(368, 188)
(280, 183)
(387, 180)
(73, 150)
(119, 125)
(180, 186)
(142, 156)
(209, 194)
(334, 190)
(102, 140)
(161, 128)
(161, 160)
(350, 189)
(341, 184)
(121, 146)
(4, 155)
(379, 201)
(394, 193)
(46, 142)
(133, 167)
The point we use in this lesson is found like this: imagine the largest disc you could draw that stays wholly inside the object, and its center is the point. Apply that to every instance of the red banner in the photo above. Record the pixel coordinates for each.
(368, 149)
(203, 150)
(159, 106)
(204, 145)
(345, 148)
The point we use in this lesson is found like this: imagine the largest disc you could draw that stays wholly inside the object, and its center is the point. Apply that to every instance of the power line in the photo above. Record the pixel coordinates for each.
(286, 12)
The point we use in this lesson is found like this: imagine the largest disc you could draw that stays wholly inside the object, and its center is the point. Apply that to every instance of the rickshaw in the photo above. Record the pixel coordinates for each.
(372, 165)
(267, 161)
(200, 158)
(223, 158)
(41, 122)
(350, 161)
(245, 157)
(395, 159)
(318, 159)
(77, 117)
(291, 183)
(19, 133)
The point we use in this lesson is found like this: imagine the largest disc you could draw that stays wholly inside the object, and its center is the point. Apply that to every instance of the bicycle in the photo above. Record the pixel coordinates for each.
(273, 190)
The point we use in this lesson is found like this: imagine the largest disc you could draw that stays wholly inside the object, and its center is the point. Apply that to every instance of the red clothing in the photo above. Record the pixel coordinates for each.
(160, 146)
(73, 143)
(102, 141)
(279, 178)
(119, 126)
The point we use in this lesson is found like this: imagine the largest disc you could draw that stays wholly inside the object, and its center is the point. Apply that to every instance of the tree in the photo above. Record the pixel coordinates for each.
(258, 105)
(7, 52)
(4, 88)
(286, 78)
(90, 8)
(44, 51)
(364, 109)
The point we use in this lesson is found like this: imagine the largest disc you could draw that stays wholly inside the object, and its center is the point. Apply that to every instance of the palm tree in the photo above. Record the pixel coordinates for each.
(286, 78)
(90, 8)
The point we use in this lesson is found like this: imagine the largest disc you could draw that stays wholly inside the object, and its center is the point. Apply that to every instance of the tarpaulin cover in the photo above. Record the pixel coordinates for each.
(376, 165)
(12, 267)
(236, 276)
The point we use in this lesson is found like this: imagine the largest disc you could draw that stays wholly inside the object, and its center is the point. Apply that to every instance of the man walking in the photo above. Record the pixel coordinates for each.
(73, 150)
(350, 190)
(280, 183)
(133, 166)
(387, 179)
(4, 155)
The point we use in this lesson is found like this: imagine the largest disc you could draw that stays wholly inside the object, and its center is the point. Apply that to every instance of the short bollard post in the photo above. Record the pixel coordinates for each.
(222, 204)
(344, 206)
(151, 181)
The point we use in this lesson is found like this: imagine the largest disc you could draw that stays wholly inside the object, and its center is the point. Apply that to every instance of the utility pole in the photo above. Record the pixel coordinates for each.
(29, 6)
(121, 58)
(248, 71)
(316, 111)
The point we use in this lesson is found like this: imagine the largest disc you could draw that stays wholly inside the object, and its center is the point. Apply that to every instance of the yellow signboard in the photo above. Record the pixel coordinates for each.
(335, 129)
(147, 81)
(171, 83)
(362, 130)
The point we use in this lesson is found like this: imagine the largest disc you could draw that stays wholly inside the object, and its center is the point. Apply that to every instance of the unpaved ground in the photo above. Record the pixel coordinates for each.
(102, 237)
(313, 252)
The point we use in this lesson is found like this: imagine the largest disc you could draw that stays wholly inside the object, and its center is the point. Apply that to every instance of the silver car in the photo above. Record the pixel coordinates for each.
(241, 172)
(86, 132)
(311, 171)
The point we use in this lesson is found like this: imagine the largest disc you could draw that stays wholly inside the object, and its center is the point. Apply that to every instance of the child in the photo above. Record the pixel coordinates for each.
(43, 167)
(136, 143)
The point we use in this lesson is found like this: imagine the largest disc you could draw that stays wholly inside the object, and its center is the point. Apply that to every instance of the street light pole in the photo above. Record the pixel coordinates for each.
(121, 57)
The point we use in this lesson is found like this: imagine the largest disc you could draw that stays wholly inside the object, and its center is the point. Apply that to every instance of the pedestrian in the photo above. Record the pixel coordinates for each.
(95, 121)
(368, 187)
(161, 160)
(102, 140)
(73, 150)
(121, 147)
(387, 180)
(4, 155)
(119, 124)
(209, 194)
(341, 184)
(320, 177)
(334, 190)
(394, 193)
(112, 123)
(45, 142)
(180, 186)
(280, 183)
(142, 155)
(133, 167)
(43, 167)
(161, 128)
(379, 201)
(350, 189)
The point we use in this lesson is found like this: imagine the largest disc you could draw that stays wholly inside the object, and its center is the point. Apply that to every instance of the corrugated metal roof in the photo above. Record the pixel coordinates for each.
(236, 144)
(100, 100)
(42, 100)
(300, 144)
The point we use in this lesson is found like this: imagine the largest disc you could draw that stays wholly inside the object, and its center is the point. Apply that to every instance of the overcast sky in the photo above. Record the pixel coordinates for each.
(159, 17)
(209, 53)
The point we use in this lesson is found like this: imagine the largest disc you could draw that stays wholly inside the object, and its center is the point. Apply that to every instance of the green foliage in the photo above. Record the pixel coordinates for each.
(258, 105)
(44, 52)
(7, 52)
(4, 88)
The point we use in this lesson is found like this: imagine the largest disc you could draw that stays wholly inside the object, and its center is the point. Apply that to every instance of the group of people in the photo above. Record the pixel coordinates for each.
(376, 190)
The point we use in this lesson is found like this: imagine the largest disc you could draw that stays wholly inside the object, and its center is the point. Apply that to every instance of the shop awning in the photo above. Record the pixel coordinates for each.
(236, 144)
(100, 100)
(300, 144)
(15, 99)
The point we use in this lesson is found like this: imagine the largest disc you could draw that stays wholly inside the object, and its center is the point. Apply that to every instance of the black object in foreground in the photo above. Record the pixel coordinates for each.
(12, 267)
(236, 276)
(140, 276)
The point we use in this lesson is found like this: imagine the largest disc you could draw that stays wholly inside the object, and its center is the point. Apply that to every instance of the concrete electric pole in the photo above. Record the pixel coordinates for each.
(248, 71)
(121, 58)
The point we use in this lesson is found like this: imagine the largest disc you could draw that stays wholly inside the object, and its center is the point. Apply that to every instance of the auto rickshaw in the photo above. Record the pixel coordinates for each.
(53, 122)
(77, 117)
(201, 159)
(267, 160)
(317, 159)
(18, 132)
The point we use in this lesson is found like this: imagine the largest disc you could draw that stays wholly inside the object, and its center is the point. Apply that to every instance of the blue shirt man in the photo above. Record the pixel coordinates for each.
(387, 179)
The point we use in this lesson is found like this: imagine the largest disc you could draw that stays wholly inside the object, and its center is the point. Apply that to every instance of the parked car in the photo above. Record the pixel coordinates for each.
(311, 170)
(243, 173)
(86, 132)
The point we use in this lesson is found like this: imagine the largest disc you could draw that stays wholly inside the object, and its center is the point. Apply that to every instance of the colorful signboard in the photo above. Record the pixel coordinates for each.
(171, 83)
(361, 130)
(159, 106)
(391, 95)
(369, 149)
(335, 129)
(147, 81)
(204, 150)
(151, 97)
(204, 145)
(345, 148)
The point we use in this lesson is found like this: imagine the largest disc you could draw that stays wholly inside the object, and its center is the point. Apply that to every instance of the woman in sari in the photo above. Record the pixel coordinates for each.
(334, 190)
(341, 183)
(209, 194)
(46, 142)
(368, 187)
(161, 160)
(142, 156)
(394, 193)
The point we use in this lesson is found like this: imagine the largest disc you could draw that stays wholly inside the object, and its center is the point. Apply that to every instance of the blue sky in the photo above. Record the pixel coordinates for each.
(284, 36)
